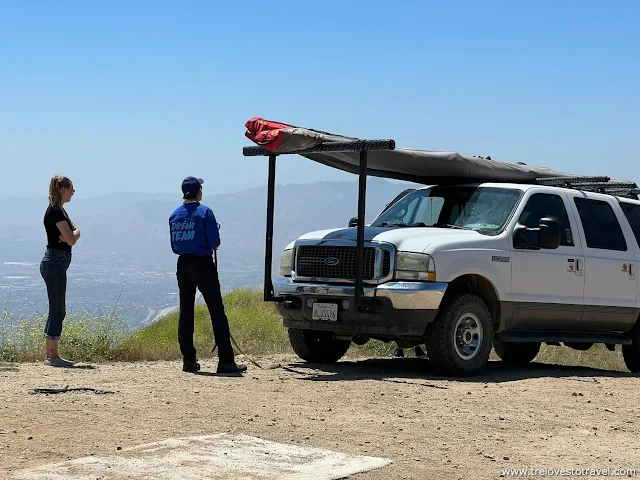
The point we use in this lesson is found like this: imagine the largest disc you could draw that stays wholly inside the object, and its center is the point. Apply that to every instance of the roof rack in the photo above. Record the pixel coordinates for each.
(567, 181)
(599, 184)
(632, 193)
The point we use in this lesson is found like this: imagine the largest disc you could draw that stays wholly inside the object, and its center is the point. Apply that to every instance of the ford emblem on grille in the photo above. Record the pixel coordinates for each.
(331, 261)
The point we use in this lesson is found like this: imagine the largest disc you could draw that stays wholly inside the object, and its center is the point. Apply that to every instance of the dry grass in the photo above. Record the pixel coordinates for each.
(86, 338)
(597, 357)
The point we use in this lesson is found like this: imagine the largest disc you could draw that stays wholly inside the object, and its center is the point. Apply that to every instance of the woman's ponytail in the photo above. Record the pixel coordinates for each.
(57, 182)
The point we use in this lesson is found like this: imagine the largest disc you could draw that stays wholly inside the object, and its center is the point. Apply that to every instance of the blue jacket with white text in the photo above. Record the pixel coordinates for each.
(194, 230)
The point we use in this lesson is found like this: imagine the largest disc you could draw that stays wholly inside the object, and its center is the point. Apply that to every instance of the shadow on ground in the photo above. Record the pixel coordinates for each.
(83, 366)
(8, 367)
(420, 369)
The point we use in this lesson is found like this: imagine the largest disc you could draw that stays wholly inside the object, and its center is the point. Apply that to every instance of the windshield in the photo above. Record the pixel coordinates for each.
(469, 208)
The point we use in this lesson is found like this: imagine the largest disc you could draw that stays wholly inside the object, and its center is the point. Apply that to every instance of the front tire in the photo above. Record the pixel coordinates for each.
(459, 340)
(516, 353)
(317, 346)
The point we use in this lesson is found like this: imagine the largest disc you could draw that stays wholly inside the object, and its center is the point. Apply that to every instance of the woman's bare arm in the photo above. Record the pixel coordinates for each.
(68, 236)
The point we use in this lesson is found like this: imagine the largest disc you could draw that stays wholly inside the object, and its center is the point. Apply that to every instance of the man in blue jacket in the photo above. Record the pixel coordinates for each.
(194, 237)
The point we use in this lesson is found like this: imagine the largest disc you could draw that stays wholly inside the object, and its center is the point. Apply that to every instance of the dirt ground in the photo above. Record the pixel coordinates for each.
(431, 427)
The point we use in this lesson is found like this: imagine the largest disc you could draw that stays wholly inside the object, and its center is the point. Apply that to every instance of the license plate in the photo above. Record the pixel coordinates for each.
(325, 311)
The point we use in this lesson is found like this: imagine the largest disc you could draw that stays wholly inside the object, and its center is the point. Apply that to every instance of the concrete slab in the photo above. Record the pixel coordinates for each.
(220, 456)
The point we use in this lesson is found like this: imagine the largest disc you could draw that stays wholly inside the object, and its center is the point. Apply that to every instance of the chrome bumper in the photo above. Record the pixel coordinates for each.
(403, 295)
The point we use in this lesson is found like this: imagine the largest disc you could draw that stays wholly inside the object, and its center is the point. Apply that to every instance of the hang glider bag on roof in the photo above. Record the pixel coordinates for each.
(420, 166)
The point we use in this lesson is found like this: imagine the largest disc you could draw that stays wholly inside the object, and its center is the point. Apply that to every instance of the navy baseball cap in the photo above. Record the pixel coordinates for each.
(191, 185)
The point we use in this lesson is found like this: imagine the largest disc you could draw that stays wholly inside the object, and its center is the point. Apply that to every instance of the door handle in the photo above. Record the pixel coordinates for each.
(632, 270)
(579, 267)
(574, 265)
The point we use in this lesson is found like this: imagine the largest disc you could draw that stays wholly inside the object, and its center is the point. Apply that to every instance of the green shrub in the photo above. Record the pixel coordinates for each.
(85, 338)
(254, 324)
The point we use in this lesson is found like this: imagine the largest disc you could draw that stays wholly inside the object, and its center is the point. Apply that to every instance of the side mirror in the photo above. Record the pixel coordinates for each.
(353, 222)
(546, 235)
(549, 233)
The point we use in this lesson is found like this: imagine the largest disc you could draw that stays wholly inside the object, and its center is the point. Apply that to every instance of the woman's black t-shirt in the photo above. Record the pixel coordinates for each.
(52, 216)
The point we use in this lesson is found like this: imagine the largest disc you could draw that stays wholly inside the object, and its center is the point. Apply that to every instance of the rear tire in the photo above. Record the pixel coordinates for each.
(631, 353)
(516, 353)
(317, 346)
(459, 340)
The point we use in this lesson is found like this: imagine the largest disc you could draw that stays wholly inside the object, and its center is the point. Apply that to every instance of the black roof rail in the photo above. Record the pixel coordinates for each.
(566, 181)
(599, 184)
(631, 193)
(606, 186)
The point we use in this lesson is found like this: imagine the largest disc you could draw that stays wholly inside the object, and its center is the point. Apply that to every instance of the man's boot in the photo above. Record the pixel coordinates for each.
(231, 367)
(190, 367)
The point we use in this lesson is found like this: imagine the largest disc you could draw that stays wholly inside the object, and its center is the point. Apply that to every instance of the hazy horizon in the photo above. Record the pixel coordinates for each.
(350, 178)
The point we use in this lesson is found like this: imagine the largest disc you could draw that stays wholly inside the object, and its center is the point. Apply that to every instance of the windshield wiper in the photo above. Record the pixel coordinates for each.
(393, 224)
(447, 225)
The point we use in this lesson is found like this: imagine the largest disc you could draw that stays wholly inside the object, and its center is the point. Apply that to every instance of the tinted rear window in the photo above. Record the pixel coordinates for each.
(632, 212)
(601, 227)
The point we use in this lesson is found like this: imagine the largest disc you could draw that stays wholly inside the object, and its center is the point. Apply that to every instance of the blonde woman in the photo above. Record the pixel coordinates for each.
(61, 236)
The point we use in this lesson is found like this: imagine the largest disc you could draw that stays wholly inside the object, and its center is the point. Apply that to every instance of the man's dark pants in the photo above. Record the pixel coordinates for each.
(201, 273)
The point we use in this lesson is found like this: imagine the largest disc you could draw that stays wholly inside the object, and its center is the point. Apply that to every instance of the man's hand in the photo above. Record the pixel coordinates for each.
(76, 233)
(62, 240)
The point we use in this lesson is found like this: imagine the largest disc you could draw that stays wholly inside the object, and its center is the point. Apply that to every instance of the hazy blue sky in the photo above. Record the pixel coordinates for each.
(133, 96)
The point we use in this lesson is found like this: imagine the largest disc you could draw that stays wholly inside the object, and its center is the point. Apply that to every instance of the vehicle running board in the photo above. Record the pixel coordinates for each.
(557, 337)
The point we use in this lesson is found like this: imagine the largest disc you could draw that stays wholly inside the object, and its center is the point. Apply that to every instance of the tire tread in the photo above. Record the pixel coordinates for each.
(441, 353)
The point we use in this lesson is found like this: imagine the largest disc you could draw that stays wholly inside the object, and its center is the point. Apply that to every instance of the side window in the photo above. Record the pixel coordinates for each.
(601, 227)
(401, 211)
(429, 210)
(542, 205)
(632, 212)
(407, 212)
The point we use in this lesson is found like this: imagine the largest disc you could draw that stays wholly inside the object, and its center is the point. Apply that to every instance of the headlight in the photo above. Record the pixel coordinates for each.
(286, 263)
(415, 266)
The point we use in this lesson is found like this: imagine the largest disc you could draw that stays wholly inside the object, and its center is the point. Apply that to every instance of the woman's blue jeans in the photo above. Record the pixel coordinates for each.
(53, 269)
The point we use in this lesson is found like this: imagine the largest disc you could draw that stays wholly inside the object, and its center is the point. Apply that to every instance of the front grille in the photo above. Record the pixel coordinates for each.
(338, 262)
(386, 262)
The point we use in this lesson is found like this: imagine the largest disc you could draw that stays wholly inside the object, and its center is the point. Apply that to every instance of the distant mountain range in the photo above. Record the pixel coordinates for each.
(133, 229)
(125, 237)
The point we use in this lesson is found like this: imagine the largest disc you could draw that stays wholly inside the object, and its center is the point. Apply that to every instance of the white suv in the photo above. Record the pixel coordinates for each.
(467, 267)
